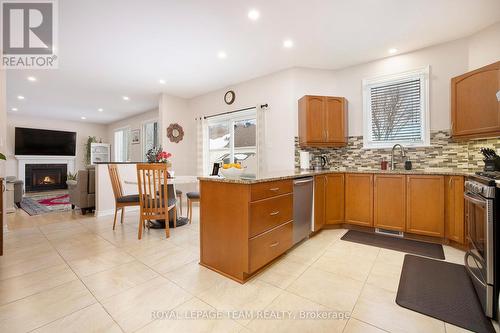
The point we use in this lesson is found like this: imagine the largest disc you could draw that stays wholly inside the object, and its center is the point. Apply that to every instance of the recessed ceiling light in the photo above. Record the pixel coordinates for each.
(100, 109)
(125, 98)
(253, 15)
(392, 51)
(162, 81)
(222, 55)
(288, 43)
(31, 78)
(83, 118)
(14, 109)
(20, 97)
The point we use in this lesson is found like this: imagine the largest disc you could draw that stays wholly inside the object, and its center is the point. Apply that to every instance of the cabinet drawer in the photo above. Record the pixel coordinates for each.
(269, 245)
(269, 213)
(271, 189)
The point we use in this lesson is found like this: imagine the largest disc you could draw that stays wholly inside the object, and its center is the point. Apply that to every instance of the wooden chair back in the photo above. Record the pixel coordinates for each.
(115, 180)
(153, 194)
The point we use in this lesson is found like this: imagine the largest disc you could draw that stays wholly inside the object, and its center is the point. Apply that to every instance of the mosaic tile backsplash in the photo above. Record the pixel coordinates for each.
(444, 153)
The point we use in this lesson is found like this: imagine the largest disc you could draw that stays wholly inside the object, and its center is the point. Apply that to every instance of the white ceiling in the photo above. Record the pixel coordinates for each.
(112, 48)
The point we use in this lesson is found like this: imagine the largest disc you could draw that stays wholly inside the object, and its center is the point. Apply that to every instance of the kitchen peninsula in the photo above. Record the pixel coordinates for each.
(247, 223)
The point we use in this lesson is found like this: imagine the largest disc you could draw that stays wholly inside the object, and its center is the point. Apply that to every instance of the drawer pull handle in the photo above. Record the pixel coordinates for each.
(275, 213)
(274, 189)
(274, 244)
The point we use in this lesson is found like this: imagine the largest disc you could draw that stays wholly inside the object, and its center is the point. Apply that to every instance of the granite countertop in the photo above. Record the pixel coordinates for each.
(272, 176)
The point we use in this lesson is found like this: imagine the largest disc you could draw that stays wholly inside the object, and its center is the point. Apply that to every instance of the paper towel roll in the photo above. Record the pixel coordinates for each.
(305, 159)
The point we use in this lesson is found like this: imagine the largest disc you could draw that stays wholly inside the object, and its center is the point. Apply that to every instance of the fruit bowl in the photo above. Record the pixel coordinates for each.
(232, 172)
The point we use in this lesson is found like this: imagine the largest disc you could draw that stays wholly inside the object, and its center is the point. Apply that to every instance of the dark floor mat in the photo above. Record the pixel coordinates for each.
(441, 290)
(395, 243)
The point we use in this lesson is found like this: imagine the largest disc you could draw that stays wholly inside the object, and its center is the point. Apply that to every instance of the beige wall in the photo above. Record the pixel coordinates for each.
(484, 47)
(83, 131)
(176, 110)
(136, 153)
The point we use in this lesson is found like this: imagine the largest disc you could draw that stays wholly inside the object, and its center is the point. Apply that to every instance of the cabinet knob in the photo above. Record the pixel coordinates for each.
(274, 189)
(275, 213)
(274, 244)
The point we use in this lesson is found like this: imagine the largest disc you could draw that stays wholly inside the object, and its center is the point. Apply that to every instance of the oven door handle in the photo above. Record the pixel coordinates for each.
(474, 199)
(471, 273)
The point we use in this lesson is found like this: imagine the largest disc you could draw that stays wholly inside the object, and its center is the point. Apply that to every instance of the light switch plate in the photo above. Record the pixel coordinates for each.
(498, 95)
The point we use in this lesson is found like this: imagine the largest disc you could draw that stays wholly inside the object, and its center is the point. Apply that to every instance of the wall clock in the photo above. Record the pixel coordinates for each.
(229, 97)
(175, 133)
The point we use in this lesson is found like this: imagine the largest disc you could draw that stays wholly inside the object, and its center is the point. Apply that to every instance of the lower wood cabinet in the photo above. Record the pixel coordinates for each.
(425, 205)
(359, 199)
(334, 204)
(319, 201)
(389, 202)
(454, 214)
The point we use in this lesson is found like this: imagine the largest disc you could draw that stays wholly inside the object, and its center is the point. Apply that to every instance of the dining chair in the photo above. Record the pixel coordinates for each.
(121, 201)
(178, 193)
(192, 197)
(153, 195)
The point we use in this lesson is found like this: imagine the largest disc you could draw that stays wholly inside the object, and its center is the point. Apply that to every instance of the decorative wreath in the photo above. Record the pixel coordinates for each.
(175, 133)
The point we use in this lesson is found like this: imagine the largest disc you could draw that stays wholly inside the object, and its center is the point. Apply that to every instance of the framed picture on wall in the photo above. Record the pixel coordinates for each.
(135, 136)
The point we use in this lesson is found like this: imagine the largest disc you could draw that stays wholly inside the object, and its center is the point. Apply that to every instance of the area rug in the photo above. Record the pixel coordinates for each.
(395, 243)
(441, 290)
(45, 203)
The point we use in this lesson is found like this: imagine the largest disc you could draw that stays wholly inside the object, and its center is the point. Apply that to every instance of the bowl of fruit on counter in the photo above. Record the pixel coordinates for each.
(232, 170)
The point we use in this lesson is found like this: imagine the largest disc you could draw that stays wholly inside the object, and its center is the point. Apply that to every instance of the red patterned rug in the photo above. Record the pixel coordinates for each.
(59, 200)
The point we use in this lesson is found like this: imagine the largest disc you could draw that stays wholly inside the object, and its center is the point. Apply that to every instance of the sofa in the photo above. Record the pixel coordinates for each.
(82, 190)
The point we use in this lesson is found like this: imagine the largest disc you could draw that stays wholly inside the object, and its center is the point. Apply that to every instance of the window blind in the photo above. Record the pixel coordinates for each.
(396, 111)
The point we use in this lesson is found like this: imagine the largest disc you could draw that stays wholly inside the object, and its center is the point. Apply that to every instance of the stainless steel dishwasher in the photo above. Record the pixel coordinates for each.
(302, 208)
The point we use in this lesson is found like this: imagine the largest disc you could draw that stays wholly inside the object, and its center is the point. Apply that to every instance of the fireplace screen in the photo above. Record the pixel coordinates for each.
(43, 177)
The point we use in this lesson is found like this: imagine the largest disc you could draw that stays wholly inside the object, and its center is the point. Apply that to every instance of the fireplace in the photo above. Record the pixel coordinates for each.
(45, 177)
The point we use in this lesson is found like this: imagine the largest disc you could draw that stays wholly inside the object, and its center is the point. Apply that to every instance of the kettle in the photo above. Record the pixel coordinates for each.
(321, 162)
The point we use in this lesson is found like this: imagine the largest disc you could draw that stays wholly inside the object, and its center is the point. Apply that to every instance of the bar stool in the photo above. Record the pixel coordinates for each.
(192, 197)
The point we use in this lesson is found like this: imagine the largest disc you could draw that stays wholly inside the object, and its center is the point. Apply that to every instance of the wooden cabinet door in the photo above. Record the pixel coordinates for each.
(319, 202)
(475, 110)
(389, 202)
(425, 205)
(312, 119)
(359, 199)
(455, 221)
(335, 120)
(334, 199)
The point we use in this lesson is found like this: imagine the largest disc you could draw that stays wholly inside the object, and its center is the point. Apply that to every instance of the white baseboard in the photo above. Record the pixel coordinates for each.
(108, 212)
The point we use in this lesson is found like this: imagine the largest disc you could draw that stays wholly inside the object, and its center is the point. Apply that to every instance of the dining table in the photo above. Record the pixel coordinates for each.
(175, 180)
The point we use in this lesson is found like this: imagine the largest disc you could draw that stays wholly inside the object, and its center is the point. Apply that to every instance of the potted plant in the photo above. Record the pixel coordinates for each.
(2, 157)
(157, 155)
(88, 148)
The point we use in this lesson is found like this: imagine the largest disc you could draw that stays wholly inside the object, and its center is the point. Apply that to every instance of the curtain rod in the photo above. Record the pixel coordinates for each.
(239, 110)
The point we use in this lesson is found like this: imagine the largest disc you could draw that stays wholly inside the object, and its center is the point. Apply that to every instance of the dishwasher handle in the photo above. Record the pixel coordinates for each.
(303, 181)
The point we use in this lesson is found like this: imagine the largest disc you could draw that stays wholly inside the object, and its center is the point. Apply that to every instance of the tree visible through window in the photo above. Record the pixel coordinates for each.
(395, 110)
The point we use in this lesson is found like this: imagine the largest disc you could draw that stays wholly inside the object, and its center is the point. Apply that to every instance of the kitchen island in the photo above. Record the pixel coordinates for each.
(247, 223)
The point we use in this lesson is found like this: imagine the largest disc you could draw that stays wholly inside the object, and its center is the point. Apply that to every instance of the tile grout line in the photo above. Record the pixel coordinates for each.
(86, 287)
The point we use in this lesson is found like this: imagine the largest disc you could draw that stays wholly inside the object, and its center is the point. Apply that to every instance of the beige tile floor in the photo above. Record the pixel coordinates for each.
(64, 272)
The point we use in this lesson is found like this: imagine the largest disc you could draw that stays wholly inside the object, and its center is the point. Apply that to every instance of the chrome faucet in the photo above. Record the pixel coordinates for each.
(403, 155)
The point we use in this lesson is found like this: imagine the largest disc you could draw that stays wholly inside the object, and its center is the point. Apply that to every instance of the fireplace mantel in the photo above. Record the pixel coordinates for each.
(22, 160)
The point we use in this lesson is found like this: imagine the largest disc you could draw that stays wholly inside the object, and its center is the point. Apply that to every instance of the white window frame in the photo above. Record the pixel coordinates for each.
(242, 115)
(419, 73)
(143, 135)
(127, 130)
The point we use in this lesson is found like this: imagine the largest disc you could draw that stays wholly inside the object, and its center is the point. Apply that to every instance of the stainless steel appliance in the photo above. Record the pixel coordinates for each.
(481, 259)
(302, 208)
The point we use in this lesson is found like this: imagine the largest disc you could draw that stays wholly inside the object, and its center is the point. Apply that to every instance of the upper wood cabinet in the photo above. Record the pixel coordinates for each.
(389, 202)
(322, 121)
(425, 205)
(319, 202)
(454, 199)
(359, 199)
(475, 109)
(334, 206)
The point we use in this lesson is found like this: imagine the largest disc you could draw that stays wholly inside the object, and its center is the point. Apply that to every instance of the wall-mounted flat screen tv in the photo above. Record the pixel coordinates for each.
(31, 141)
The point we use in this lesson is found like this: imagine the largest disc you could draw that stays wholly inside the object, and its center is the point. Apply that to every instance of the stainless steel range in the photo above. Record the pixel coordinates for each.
(482, 259)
